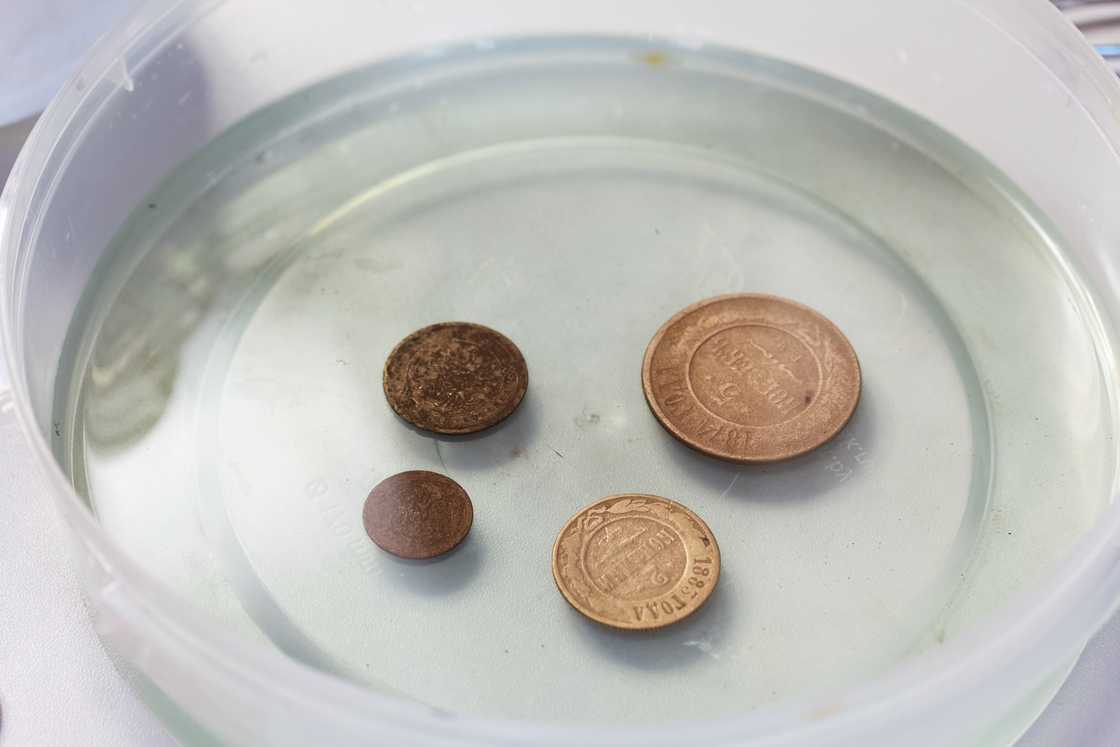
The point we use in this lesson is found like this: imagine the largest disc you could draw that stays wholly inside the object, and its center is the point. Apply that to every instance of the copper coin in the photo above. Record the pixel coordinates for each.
(751, 378)
(455, 377)
(417, 514)
(636, 561)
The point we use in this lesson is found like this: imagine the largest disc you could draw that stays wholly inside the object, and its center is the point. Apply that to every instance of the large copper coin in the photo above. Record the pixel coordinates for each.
(455, 377)
(636, 561)
(751, 378)
(417, 514)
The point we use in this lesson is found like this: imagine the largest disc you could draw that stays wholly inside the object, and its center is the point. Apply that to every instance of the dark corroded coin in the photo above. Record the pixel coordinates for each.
(417, 514)
(751, 378)
(636, 561)
(455, 377)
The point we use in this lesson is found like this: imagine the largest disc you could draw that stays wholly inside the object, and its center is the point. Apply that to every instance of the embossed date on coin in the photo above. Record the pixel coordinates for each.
(636, 561)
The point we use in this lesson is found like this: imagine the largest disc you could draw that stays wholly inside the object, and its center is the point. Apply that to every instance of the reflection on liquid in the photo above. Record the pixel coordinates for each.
(134, 364)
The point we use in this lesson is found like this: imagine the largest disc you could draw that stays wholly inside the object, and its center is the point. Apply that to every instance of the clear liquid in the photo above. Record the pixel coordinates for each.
(224, 412)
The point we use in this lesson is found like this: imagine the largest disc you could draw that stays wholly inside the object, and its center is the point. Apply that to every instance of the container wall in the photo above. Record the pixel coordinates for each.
(124, 122)
(1003, 75)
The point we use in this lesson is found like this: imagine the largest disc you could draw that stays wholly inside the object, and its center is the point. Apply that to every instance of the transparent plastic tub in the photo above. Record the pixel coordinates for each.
(984, 439)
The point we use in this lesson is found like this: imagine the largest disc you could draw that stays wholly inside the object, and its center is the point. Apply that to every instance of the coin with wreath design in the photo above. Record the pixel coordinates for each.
(636, 561)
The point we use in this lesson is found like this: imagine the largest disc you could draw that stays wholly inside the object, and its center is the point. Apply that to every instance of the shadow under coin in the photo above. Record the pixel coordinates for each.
(686, 643)
(443, 574)
(493, 447)
(801, 478)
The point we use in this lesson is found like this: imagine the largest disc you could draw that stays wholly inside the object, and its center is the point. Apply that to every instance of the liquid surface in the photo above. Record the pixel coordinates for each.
(224, 412)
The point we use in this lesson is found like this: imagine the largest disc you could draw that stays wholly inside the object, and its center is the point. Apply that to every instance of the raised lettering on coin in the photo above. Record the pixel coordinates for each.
(751, 378)
(636, 561)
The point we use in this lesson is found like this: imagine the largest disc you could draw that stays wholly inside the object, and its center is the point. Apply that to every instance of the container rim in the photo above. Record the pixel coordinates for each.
(1036, 633)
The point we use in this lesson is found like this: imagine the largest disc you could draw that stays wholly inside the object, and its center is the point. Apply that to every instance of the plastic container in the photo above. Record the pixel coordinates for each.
(1010, 79)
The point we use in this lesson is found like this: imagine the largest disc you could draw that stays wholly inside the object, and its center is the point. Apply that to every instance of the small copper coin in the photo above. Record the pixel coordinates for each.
(636, 561)
(417, 514)
(751, 378)
(455, 377)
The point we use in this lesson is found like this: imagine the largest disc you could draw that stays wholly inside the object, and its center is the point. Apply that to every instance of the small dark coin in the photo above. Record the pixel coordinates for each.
(455, 377)
(417, 514)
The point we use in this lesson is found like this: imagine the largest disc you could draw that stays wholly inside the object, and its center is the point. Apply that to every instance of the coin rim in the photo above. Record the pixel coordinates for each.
(677, 433)
(501, 414)
(466, 529)
(591, 615)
